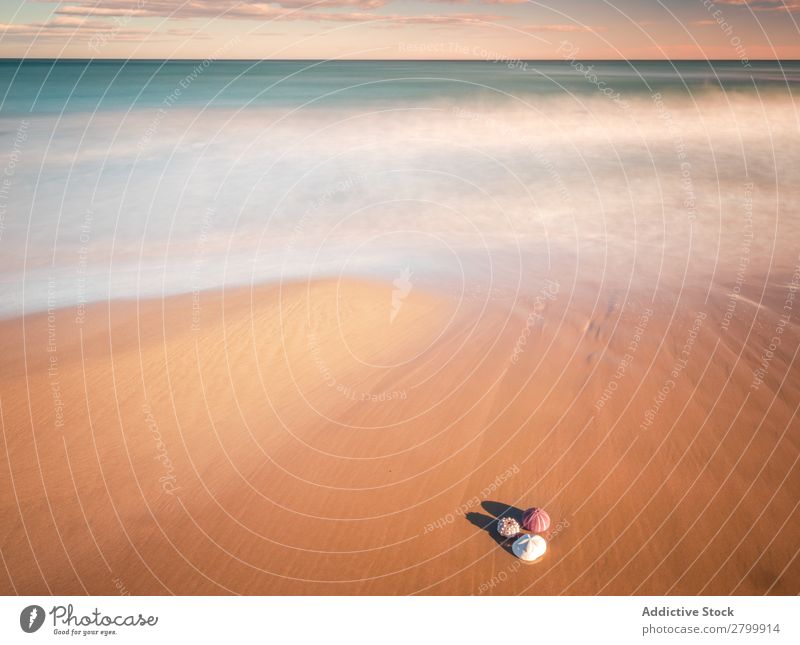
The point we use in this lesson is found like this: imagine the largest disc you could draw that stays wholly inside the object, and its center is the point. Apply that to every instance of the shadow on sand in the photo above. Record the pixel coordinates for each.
(488, 523)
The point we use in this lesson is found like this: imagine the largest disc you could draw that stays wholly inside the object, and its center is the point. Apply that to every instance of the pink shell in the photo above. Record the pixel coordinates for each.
(536, 520)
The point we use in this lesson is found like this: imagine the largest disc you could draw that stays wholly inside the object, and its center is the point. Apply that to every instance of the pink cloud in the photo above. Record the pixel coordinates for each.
(188, 33)
(480, 1)
(262, 10)
(69, 27)
(229, 8)
(310, 4)
(557, 27)
(79, 19)
(764, 5)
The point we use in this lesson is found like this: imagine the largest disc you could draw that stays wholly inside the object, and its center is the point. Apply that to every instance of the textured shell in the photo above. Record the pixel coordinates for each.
(508, 527)
(536, 520)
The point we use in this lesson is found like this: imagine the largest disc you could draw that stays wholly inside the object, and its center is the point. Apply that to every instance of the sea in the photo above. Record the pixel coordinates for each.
(147, 178)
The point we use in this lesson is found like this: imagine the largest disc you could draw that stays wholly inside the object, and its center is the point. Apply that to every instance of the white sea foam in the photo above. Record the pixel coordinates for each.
(468, 190)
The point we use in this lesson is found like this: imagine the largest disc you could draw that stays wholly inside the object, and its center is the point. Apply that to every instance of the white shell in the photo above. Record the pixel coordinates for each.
(529, 547)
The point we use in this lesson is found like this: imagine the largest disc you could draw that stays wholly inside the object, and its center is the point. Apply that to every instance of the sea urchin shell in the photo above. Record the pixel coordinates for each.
(508, 527)
(536, 520)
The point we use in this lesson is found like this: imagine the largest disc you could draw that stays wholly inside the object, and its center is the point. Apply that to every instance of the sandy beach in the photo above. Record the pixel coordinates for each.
(344, 437)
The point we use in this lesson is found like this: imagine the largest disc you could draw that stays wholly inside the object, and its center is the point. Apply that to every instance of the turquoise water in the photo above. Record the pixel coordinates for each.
(143, 178)
(41, 86)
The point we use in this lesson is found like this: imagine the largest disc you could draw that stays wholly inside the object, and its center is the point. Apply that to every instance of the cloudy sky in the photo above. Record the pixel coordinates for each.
(460, 29)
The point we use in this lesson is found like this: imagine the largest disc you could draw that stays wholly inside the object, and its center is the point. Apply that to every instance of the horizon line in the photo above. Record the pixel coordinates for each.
(404, 60)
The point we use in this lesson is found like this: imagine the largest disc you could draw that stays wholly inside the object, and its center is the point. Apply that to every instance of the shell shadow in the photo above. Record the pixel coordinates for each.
(498, 510)
(488, 523)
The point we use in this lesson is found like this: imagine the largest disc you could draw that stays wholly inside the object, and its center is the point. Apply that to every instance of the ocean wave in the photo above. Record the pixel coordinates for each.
(142, 201)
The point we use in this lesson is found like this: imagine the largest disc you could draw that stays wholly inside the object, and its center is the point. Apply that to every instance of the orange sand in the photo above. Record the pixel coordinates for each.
(298, 442)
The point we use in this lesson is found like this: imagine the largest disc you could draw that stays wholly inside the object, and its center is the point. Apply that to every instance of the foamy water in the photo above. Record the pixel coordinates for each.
(151, 179)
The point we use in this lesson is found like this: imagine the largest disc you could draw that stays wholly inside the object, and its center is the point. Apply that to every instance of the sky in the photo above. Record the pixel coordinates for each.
(401, 29)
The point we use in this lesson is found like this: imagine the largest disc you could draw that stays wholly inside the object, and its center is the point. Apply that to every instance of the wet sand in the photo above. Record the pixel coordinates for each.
(295, 439)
